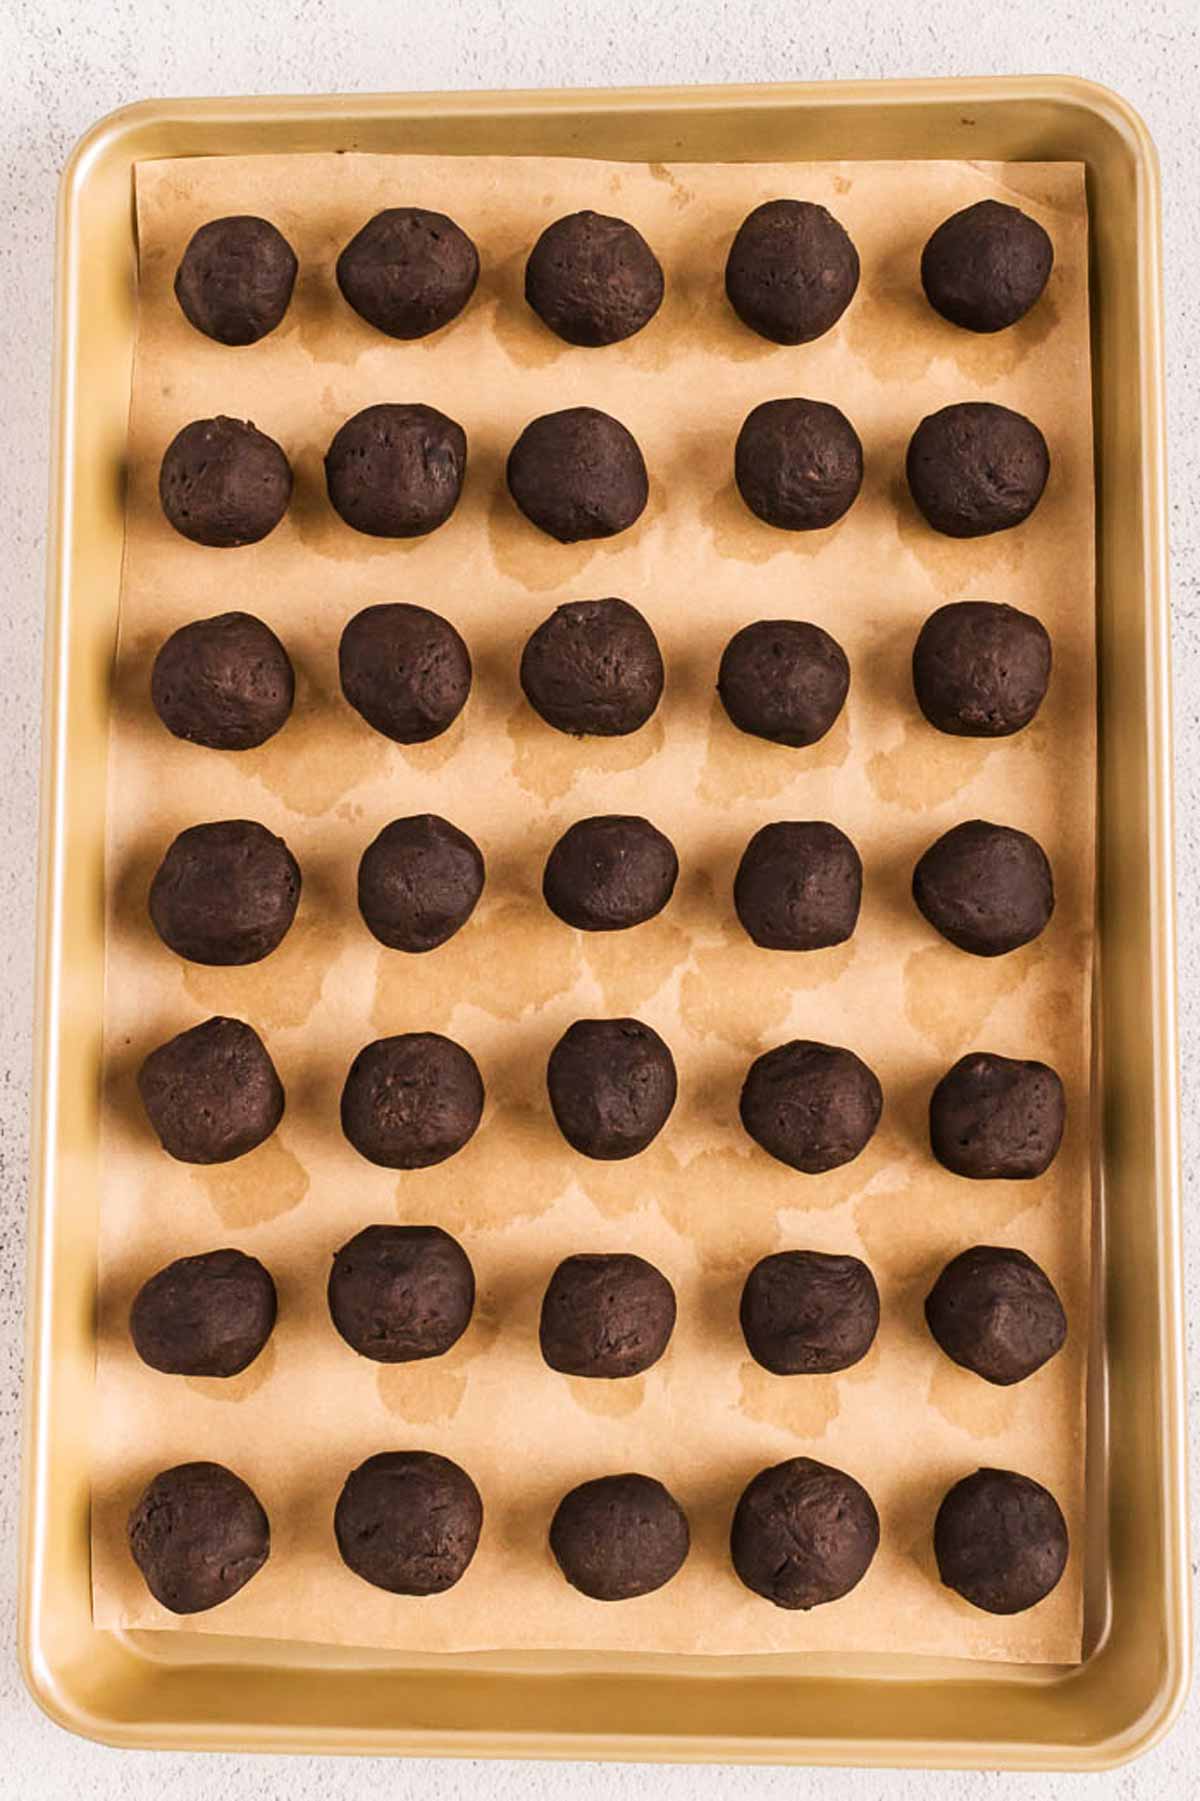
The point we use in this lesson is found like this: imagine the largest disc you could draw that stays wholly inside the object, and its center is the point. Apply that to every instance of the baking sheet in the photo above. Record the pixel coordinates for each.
(703, 1202)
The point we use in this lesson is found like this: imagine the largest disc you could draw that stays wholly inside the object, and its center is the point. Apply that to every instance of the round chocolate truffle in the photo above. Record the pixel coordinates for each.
(411, 1101)
(804, 1313)
(798, 464)
(619, 1536)
(977, 468)
(996, 1312)
(198, 1534)
(610, 872)
(1000, 1541)
(980, 670)
(400, 1293)
(225, 893)
(211, 1093)
(578, 474)
(812, 1106)
(405, 669)
(612, 1086)
(792, 271)
(987, 888)
(418, 882)
(994, 1116)
(408, 272)
(606, 1315)
(798, 886)
(204, 1316)
(593, 280)
(408, 1521)
(803, 1534)
(783, 680)
(224, 483)
(593, 667)
(396, 471)
(984, 267)
(225, 682)
(235, 280)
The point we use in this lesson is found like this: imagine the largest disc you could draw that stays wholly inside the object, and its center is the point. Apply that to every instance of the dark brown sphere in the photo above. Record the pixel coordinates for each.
(996, 1312)
(593, 668)
(411, 1101)
(1000, 1541)
(400, 1293)
(980, 670)
(235, 280)
(578, 474)
(612, 1086)
(798, 464)
(396, 471)
(225, 893)
(608, 873)
(798, 886)
(619, 1536)
(418, 882)
(606, 1315)
(406, 670)
(408, 272)
(977, 468)
(204, 1316)
(985, 267)
(997, 1117)
(593, 280)
(792, 271)
(198, 1534)
(811, 1106)
(783, 680)
(987, 888)
(224, 483)
(803, 1534)
(408, 1522)
(211, 1093)
(225, 682)
(805, 1313)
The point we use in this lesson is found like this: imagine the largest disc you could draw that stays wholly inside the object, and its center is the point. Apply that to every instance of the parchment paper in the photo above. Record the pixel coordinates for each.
(703, 1203)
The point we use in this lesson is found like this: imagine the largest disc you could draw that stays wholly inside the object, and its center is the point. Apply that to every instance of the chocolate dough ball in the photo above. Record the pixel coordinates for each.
(578, 474)
(811, 1106)
(987, 888)
(619, 1536)
(408, 272)
(396, 471)
(406, 670)
(225, 893)
(211, 1093)
(418, 882)
(783, 680)
(400, 1293)
(225, 682)
(593, 280)
(984, 267)
(411, 1101)
(612, 1086)
(198, 1534)
(408, 1521)
(977, 468)
(204, 1316)
(804, 1313)
(593, 667)
(994, 1116)
(980, 670)
(803, 1534)
(224, 483)
(606, 1315)
(792, 271)
(236, 278)
(798, 464)
(996, 1312)
(610, 872)
(798, 886)
(1000, 1540)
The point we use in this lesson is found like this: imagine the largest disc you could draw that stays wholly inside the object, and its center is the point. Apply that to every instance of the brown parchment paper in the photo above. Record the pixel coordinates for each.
(703, 1202)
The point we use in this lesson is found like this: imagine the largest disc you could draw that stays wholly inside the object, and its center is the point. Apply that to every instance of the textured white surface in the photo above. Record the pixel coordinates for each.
(63, 63)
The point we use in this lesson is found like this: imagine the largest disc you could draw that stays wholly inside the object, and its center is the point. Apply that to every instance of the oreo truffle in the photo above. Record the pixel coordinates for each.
(997, 1117)
(610, 872)
(224, 483)
(411, 1101)
(985, 267)
(811, 1106)
(204, 1316)
(798, 886)
(593, 668)
(977, 468)
(198, 1534)
(803, 1534)
(792, 271)
(783, 680)
(593, 280)
(396, 471)
(408, 272)
(578, 474)
(405, 669)
(980, 669)
(225, 682)
(987, 888)
(225, 893)
(418, 882)
(798, 464)
(400, 1293)
(606, 1316)
(612, 1086)
(619, 1536)
(1000, 1541)
(409, 1522)
(235, 279)
(805, 1313)
(996, 1312)
(211, 1093)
